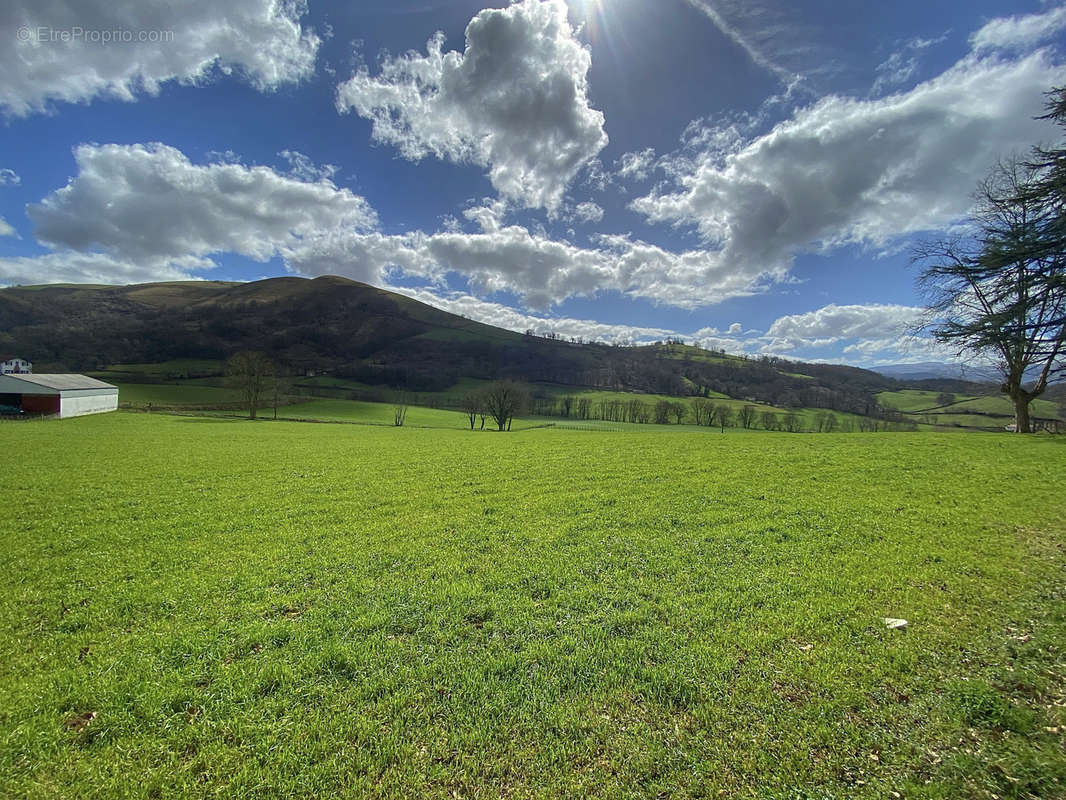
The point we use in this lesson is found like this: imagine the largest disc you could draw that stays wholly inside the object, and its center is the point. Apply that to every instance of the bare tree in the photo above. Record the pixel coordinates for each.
(792, 422)
(472, 404)
(746, 415)
(504, 399)
(701, 410)
(770, 421)
(678, 411)
(399, 411)
(251, 373)
(279, 387)
(662, 412)
(826, 421)
(723, 415)
(1001, 292)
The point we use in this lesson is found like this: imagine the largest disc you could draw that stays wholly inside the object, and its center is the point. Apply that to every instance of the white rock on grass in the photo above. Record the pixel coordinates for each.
(896, 624)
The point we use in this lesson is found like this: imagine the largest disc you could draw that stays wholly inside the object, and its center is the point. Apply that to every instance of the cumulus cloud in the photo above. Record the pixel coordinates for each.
(515, 101)
(6, 229)
(262, 40)
(832, 323)
(541, 270)
(8, 177)
(1021, 32)
(857, 171)
(151, 203)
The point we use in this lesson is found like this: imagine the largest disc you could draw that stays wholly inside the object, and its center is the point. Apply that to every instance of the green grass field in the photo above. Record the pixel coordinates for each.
(207, 607)
(914, 400)
(185, 394)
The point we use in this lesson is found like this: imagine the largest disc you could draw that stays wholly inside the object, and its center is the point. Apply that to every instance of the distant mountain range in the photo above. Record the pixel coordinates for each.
(336, 326)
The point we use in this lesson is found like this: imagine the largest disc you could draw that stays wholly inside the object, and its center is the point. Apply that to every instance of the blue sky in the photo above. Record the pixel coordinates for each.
(748, 175)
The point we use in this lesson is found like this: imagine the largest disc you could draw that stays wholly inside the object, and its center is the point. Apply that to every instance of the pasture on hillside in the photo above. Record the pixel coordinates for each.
(331, 402)
(213, 607)
(985, 412)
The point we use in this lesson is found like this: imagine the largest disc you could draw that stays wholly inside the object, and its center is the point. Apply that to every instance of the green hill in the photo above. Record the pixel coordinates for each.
(355, 334)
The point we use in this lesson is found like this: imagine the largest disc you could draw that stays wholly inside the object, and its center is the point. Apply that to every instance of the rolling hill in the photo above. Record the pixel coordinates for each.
(358, 333)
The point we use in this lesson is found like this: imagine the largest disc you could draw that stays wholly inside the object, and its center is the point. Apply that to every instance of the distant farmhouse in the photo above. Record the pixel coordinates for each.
(59, 395)
(11, 365)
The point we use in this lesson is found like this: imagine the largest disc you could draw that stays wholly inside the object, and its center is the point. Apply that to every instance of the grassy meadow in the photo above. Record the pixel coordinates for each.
(211, 607)
(986, 412)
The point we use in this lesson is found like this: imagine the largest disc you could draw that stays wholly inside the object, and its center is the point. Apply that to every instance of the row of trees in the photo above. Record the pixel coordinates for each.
(704, 411)
(999, 289)
(255, 376)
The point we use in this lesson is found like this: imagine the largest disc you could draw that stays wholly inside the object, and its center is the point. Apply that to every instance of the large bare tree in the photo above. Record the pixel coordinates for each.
(252, 374)
(504, 399)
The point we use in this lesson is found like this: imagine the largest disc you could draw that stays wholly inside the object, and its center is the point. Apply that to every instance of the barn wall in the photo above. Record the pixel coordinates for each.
(88, 404)
(40, 403)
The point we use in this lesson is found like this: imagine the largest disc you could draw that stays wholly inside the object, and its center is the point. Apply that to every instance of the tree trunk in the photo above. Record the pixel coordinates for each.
(1021, 412)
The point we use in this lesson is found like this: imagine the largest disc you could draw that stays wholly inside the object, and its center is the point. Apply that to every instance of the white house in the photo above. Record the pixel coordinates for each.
(62, 395)
(9, 364)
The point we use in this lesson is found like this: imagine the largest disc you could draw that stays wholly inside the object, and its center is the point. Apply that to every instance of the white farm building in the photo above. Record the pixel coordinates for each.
(10, 364)
(63, 395)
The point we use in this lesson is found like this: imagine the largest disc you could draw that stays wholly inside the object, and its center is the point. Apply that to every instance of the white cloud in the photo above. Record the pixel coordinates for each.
(303, 168)
(636, 165)
(587, 212)
(1021, 32)
(857, 171)
(8, 177)
(488, 216)
(515, 102)
(902, 65)
(748, 42)
(72, 267)
(836, 323)
(149, 203)
(6, 229)
(899, 350)
(596, 177)
(262, 40)
(798, 335)
(506, 317)
(541, 270)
